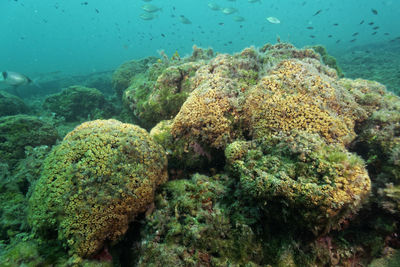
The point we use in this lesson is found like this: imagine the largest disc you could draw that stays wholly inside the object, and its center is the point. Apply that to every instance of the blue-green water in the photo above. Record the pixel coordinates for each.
(270, 155)
(87, 36)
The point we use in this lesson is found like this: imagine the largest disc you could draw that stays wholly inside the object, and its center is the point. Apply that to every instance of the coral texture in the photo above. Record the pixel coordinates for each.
(300, 178)
(94, 183)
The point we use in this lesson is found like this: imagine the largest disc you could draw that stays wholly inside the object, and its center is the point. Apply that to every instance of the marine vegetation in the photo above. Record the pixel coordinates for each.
(273, 159)
(298, 177)
(12, 105)
(93, 184)
(19, 131)
(191, 227)
(79, 103)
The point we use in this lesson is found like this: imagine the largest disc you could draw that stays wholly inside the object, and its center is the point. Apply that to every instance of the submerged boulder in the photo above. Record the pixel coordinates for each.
(94, 183)
(78, 102)
(11, 105)
(19, 131)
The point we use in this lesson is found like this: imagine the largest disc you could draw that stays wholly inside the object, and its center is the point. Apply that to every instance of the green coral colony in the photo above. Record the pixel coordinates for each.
(273, 159)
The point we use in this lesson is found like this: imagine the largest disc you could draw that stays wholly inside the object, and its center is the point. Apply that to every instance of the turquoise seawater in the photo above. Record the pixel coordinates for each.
(79, 37)
(199, 133)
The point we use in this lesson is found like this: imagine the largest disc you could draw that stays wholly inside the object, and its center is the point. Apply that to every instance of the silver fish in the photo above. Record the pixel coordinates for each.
(14, 78)
(229, 10)
(147, 16)
(150, 8)
(184, 20)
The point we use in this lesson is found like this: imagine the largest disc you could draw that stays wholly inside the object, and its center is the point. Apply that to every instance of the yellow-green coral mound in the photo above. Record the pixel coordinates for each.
(94, 183)
(298, 177)
(302, 95)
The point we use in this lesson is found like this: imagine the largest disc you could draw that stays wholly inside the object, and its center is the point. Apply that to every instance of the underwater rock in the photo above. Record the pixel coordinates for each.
(124, 74)
(191, 227)
(94, 183)
(183, 157)
(328, 59)
(79, 103)
(11, 105)
(19, 131)
(299, 178)
(297, 95)
(159, 93)
(153, 101)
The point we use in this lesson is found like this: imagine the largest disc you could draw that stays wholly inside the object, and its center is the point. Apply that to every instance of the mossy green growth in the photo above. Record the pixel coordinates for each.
(94, 183)
(125, 74)
(19, 131)
(157, 98)
(11, 105)
(391, 259)
(328, 59)
(79, 103)
(183, 157)
(191, 227)
(298, 177)
(22, 253)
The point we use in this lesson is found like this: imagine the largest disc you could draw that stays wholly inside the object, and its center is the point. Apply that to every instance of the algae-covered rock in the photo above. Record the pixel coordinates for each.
(328, 59)
(183, 157)
(19, 131)
(191, 227)
(154, 100)
(11, 105)
(124, 75)
(94, 183)
(299, 178)
(77, 102)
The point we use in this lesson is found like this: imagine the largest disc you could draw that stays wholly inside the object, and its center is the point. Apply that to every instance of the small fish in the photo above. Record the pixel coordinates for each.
(312, 36)
(150, 8)
(374, 33)
(337, 41)
(386, 33)
(374, 11)
(330, 36)
(84, 3)
(147, 16)
(353, 40)
(335, 24)
(221, 23)
(316, 13)
(228, 10)
(97, 11)
(14, 78)
(355, 34)
(362, 22)
(375, 28)
(184, 20)
(213, 6)
(310, 28)
(238, 18)
(273, 20)
(163, 35)
(371, 23)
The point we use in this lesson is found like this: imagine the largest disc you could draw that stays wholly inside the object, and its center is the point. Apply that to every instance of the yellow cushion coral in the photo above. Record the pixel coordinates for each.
(94, 183)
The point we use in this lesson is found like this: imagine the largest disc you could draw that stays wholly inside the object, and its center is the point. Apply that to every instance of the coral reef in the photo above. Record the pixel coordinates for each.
(125, 73)
(19, 131)
(274, 159)
(298, 177)
(94, 183)
(191, 227)
(79, 103)
(328, 59)
(11, 105)
(159, 93)
(296, 95)
(154, 100)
